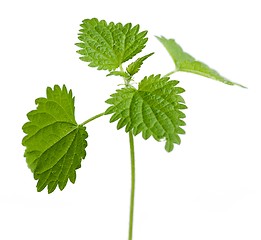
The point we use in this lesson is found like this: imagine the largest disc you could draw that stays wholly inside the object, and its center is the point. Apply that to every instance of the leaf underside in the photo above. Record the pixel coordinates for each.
(154, 109)
(186, 63)
(108, 45)
(55, 144)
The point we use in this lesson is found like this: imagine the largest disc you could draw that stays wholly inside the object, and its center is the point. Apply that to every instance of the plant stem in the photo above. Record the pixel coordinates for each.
(132, 154)
(92, 118)
(170, 73)
(126, 80)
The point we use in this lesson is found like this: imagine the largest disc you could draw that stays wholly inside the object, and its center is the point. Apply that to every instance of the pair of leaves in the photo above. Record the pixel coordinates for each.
(186, 63)
(55, 143)
(107, 46)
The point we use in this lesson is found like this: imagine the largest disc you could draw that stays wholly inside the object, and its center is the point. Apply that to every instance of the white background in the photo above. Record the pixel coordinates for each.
(209, 187)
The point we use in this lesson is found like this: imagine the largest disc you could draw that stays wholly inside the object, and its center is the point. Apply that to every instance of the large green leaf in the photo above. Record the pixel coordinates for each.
(55, 143)
(186, 63)
(107, 46)
(155, 109)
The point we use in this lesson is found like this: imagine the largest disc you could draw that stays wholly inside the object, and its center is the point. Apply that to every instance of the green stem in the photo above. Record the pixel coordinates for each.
(92, 118)
(170, 73)
(126, 81)
(121, 68)
(132, 154)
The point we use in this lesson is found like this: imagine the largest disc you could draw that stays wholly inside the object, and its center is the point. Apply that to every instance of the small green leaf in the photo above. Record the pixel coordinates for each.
(134, 67)
(107, 46)
(186, 63)
(119, 73)
(55, 144)
(154, 109)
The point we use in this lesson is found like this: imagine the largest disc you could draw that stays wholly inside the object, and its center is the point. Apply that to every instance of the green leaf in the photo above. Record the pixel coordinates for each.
(186, 63)
(154, 109)
(55, 144)
(134, 67)
(107, 46)
(119, 73)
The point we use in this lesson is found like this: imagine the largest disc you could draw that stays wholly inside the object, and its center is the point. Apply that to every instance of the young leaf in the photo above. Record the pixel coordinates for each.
(134, 67)
(155, 109)
(107, 46)
(186, 63)
(118, 73)
(55, 144)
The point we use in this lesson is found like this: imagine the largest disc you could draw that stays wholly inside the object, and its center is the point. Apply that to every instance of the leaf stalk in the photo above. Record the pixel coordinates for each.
(170, 73)
(92, 118)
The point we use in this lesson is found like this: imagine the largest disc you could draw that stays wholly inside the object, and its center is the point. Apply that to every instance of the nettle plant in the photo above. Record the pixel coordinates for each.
(56, 144)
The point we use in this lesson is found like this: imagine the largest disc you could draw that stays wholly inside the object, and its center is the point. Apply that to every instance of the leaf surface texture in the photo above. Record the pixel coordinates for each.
(154, 109)
(108, 45)
(55, 143)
